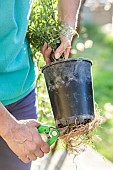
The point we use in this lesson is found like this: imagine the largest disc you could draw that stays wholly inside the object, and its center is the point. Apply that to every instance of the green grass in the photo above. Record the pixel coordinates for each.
(101, 54)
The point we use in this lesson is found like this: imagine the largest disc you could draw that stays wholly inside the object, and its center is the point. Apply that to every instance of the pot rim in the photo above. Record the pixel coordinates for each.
(67, 60)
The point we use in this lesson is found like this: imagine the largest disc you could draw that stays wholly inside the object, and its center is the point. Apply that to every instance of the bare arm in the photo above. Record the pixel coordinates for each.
(22, 136)
(68, 14)
(6, 120)
(68, 11)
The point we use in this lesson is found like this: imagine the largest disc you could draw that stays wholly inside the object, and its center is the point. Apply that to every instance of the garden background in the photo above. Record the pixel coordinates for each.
(96, 43)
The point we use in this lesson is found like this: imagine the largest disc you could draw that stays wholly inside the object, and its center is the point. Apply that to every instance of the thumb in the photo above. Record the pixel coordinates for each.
(34, 122)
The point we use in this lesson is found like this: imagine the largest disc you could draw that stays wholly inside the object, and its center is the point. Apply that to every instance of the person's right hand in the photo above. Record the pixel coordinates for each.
(46, 51)
(25, 141)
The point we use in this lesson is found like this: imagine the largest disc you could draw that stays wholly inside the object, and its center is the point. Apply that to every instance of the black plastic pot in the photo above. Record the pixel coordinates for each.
(69, 84)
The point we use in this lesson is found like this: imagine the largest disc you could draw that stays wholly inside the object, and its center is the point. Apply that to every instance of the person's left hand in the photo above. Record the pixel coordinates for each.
(64, 47)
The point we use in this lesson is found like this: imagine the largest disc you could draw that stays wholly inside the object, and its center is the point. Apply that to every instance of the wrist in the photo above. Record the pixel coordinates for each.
(7, 121)
(68, 32)
(8, 127)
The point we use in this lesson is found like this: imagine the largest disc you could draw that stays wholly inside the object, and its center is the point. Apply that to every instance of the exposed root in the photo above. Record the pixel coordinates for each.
(77, 137)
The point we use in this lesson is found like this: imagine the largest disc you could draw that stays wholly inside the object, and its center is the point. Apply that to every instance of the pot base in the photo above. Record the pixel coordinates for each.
(62, 124)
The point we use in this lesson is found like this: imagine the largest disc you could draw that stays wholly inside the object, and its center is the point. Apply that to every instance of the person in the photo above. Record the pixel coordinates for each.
(20, 142)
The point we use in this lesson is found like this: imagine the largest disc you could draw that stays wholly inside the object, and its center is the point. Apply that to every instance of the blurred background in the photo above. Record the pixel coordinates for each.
(95, 42)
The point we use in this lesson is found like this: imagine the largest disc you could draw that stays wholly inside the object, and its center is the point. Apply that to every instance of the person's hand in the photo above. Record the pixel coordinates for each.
(46, 51)
(64, 48)
(66, 40)
(25, 141)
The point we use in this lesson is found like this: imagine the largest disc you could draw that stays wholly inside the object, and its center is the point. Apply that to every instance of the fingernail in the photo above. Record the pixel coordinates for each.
(57, 56)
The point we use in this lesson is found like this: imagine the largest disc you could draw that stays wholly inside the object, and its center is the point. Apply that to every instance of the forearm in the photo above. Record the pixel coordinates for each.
(68, 11)
(6, 120)
(22, 136)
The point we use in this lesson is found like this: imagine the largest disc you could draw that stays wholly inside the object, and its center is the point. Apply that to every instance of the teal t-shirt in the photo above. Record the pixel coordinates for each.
(17, 70)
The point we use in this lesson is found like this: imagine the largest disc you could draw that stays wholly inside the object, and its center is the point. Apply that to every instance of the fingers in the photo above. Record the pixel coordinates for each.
(46, 51)
(24, 159)
(63, 48)
(45, 147)
(47, 55)
(35, 151)
(45, 46)
(28, 158)
(38, 150)
(39, 153)
(66, 53)
(40, 146)
(34, 122)
(32, 157)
